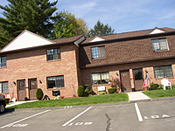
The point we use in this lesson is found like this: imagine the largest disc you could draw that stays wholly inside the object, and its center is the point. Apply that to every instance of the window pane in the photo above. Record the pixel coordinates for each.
(50, 82)
(0, 62)
(0, 87)
(158, 71)
(163, 44)
(167, 71)
(5, 87)
(94, 51)
(138, 74)
(101, 51)
(155, 44)
(57, 81)
(100, 78)
(60, 81)
(3, 64)
(53, 54)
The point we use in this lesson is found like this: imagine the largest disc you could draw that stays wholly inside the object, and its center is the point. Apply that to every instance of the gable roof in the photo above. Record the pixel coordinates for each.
(131, 34)
(27, 40)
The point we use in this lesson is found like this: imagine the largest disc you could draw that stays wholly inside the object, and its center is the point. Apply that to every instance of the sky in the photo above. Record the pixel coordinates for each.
(121, 15)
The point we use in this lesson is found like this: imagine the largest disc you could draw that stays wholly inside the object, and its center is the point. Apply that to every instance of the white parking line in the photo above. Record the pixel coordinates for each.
(138, 113)
(11, 124)
(76, 116)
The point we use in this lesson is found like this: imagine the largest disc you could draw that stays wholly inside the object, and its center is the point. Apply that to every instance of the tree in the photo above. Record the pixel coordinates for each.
(83, 27)
(33, 15)
(66, 25)
(100, 29)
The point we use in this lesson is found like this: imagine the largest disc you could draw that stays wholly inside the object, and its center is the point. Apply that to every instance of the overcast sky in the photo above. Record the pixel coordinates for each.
(121, 15)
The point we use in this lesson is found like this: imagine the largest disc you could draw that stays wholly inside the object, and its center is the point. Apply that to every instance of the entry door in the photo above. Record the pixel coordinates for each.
(32, 89)
(138, 79)
(125, 80)
(21, 90)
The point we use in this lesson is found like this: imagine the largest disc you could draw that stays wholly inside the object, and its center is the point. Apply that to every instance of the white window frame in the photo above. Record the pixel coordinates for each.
(158, 45)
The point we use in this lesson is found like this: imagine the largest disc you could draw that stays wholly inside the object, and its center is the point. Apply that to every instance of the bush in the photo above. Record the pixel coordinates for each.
(80, 91)
(154, 86)
(112, 90)
(6, 100)
(102, 92)
(39, 94)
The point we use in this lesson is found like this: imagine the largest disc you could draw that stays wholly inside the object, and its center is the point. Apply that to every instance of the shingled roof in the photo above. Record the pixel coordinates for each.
(129, 34)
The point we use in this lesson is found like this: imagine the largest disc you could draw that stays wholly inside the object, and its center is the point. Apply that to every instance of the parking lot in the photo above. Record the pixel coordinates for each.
(145, 116)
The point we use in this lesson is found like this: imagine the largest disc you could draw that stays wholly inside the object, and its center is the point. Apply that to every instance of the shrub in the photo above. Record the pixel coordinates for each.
(86, 90)
(102, 92)
(112, 90)
(154, 86)
(39, 94)
(6, 100)
(80, 91)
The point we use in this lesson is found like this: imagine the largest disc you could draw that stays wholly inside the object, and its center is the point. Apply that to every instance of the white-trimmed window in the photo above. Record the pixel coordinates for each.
(159, 44)
(55, 81)
(163, 71)
(2, 61)
(53, 54)
(100, 78)
(4, 87)
(98, 52)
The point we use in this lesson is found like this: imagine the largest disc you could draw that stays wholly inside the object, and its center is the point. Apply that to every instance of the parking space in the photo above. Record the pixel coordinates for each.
(156, 115)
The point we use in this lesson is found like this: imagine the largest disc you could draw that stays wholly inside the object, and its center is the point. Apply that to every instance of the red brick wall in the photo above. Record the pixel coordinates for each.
(34, 64)
(87, 78)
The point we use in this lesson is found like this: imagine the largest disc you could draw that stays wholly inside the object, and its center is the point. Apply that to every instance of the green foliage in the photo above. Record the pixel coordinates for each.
(33, 15)
(112, 90)
(66, 25)
(102, 92)
(154, 86)
(39, 94)
(100, 29)
(80, 91)
(6, 100)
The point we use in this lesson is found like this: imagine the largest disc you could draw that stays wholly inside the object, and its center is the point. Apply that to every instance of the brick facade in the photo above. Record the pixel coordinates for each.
(33, 64)
(123, 52)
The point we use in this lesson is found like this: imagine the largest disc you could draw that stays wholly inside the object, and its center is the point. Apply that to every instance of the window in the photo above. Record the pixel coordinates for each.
(138, 74)
(163, 71)
(2, 61)
(53, 54)
(55, 81)
(98, 52)
(160, 44)
(100, 78)
(4, 87)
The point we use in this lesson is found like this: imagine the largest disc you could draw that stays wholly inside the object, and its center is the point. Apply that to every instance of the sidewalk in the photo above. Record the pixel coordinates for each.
(137, 96)
(18, 103)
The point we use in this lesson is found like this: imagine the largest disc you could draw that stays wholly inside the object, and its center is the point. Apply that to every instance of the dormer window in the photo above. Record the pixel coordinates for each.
(98, 52)
(160, 44)
(2, 61)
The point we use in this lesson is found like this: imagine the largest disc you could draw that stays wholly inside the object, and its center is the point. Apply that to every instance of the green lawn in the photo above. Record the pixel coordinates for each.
(160, 93)
(75, 101)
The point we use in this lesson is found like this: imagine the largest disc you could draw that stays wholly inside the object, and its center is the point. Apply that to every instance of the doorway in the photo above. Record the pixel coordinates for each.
(32, 88)
(21, 90)
(125, 80)
(138, 79)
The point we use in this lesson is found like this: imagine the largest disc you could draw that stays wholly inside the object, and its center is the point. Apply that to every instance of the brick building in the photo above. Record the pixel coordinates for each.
(31, 61)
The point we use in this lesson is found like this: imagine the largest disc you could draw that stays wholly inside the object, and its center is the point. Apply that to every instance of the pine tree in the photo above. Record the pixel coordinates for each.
(33, 15)
(100, 29)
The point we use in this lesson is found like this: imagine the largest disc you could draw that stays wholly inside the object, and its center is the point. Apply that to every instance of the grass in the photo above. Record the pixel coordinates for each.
(160, 93)
(75, 101)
